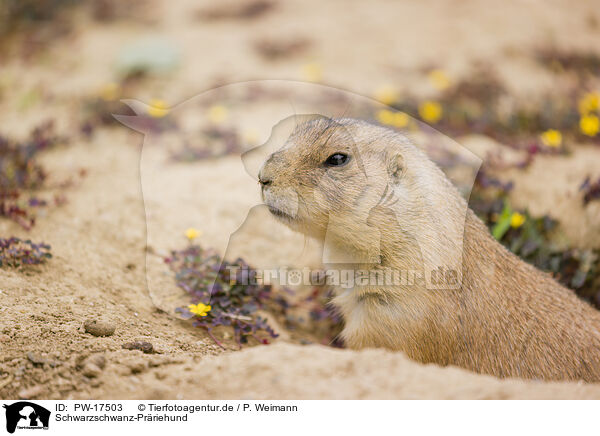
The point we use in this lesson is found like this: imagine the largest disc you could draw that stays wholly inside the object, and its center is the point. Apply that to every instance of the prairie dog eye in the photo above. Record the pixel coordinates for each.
(337, 160)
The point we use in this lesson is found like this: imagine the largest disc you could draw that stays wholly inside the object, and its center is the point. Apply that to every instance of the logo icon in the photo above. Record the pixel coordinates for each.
(26, 415)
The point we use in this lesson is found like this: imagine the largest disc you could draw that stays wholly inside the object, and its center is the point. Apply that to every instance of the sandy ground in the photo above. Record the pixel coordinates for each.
(99, 237)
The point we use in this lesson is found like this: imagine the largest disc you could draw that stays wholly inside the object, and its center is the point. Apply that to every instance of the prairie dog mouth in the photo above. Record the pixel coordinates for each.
(283, 203)
(280, 214)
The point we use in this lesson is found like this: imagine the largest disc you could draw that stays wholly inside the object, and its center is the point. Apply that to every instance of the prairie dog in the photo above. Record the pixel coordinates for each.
(378, 202)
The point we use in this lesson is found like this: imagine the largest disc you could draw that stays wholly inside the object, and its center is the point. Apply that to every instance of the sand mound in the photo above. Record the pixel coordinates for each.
(286, 371)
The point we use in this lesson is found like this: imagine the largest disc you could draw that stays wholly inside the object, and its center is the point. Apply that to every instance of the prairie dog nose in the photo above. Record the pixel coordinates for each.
(264, 181)
(266, 173)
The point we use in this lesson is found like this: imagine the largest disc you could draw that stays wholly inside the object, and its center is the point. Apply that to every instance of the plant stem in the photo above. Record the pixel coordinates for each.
(215, 339)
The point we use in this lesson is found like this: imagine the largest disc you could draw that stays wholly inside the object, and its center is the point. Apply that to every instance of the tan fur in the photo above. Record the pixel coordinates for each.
(506, 318)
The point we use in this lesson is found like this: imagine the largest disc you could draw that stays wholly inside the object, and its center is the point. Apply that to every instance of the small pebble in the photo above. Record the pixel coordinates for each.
(99, 328)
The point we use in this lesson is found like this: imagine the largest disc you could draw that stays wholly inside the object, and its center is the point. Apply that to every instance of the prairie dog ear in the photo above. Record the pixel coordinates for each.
(395, 167)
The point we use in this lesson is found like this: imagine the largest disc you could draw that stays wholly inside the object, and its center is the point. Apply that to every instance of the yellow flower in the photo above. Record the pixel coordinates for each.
(589, 125)
(590, 102)
(551, 138)
(391, 118)
(516, 220)
(157, 108)
(109, 92)
(199, 309)
(385, 116)
(431, 111)
(192, 233)
(312, 72)
(439, 79)
(217, 113)
(400, 119)
(386, 94)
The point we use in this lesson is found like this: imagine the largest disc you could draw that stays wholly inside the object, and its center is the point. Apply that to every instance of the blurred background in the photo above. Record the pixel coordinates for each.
(516, 82)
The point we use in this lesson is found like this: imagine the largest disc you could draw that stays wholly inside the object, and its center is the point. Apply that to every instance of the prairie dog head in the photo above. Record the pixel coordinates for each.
(331, 175)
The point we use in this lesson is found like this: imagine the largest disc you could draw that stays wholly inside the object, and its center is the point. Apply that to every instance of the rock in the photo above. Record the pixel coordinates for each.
(4, 338)
(99, 327)
(143, 346)
(31, 393)
(91, 370)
